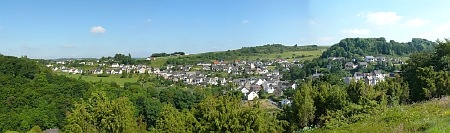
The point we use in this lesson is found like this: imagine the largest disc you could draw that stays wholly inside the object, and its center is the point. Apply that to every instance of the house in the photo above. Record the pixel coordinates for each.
(350, 65)
(90, 63)
(380, 59)
(255, 88)
(142, 70)
(168, 67)
(270, 90)
(252, 95)
(115, 65)
(285, 102)
(294, 86)
(61, 62)
(263, 71)
(378, 74)
(259, 82)
(244, 91)
(151, 58)
(369, 58)
(362, 64)
(97, 71)
(372, 78)
(316, 76)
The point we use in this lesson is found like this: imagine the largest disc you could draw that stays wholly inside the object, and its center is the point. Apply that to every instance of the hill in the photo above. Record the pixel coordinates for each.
(431, 116)
(265, 52)
(354, 47)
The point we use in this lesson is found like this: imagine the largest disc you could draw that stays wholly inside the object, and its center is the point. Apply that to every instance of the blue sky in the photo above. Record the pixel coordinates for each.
(95, 28)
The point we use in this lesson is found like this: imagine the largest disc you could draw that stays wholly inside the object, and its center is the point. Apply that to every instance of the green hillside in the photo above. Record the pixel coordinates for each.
(265, 52)
(354, 47)
(432, 116)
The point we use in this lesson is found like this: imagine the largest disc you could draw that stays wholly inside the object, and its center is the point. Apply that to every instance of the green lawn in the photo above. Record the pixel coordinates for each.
(159, 62)
(112, 78)
(432, 116)
(307, 55)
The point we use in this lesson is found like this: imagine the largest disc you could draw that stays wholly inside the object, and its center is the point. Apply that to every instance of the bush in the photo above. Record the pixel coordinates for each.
(103, 75)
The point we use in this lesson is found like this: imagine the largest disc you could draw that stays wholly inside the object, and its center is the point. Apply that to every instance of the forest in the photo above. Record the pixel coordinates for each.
(354, 47)
(33, 98)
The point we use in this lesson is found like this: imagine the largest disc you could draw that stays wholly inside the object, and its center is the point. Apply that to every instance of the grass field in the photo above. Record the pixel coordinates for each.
(307, 55)
(112, 78)
(432, 116)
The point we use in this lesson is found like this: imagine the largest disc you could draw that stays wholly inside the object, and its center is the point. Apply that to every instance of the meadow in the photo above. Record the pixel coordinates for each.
(111, 78)
(290, 56)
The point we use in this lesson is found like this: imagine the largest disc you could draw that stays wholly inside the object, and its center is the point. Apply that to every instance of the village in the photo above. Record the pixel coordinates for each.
(248, 77)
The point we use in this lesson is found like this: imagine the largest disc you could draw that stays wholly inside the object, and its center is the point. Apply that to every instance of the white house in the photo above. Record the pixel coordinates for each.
(369, 58)
(259, 82)
(294, 86)
(244, 91)
(115, 65)
(270, 90)
(252, 95)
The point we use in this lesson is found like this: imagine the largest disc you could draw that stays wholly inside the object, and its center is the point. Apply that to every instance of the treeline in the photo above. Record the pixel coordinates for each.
(323, 103)
(231, 55)
(427, 73)
(356, 47)
(31, 95)
(165, 54)
(120, 58)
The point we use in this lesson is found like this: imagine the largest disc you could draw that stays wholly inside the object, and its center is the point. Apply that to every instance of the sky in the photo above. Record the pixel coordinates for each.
(52, 29)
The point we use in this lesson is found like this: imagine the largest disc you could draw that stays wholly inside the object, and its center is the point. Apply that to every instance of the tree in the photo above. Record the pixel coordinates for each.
(99, 114)
(301, 113)
(173, 121)
(35, 129)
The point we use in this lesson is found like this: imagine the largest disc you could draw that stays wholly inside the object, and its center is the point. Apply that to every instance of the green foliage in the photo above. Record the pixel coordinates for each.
(165, 54)
(302, 112)
(33, 96)
(221, 114)
(35, 129)
(427, 73)
(356, 47)
(173, 121)
(99, 114)
(432, 116)
(121, 59)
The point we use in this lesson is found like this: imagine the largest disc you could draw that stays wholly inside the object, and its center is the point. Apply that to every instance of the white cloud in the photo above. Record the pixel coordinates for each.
(245, 21)
(381, 18)
(98, 29)
(417, 22)
(440, 32)
(148, 21)
(68, 46)
(357, 32)
(312, 22)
